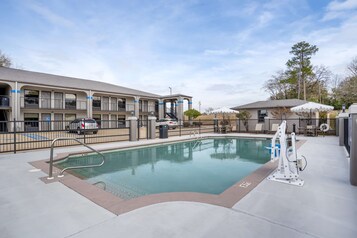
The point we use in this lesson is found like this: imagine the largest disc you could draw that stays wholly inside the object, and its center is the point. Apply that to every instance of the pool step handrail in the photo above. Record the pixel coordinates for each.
(50, 174)
(196, 134)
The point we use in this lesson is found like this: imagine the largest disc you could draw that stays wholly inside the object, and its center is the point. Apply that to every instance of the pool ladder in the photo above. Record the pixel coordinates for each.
(195, 134)
(198, 138)
(50, 174)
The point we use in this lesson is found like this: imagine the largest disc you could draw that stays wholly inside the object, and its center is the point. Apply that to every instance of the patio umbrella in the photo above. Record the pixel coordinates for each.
(312, 107)
(223, 110)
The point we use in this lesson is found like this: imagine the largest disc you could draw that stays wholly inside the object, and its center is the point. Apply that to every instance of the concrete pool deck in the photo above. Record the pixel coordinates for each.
(325, 207)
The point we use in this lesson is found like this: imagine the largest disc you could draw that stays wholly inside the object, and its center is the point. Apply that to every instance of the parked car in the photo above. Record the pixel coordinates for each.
(83, 125)
(170, 122)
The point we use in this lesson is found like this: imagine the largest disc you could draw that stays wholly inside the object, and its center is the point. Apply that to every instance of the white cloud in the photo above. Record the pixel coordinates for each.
(342, 5)
(265, 18)
(338, 9)
(217, 52)
(50, 16)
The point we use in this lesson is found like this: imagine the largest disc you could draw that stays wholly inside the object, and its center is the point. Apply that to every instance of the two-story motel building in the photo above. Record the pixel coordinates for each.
(33, 96)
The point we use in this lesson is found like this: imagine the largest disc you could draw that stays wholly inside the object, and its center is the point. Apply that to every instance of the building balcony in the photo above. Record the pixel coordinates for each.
(53, 104)
(112, 107)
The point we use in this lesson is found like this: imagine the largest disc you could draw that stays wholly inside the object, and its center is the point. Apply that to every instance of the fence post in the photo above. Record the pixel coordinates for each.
(138, 127)
(180, 126)
(266, 124)
(353, 143)
(215, 123)
(15, 135)
(147, 128)
(199, 126)
(151, 127)
(238, 124)
(133, 129)
(84, 132)
(341, 123)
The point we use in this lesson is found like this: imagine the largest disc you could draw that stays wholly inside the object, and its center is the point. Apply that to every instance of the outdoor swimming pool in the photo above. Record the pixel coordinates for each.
(207, 166)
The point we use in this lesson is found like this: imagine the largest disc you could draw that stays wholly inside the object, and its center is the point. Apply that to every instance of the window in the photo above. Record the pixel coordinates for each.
(45, 121)
(145, 106)
(105, 105)
(121, 121)
(31, 121)
(140, 105)
(97, 104)
(58, 100)
(31, 98)
(45, 99)
(121, 104)
(261, 114)
(58, 123)
(71, 101)
(70, 117)
(113, 104)
(113, 121)
(98, 119)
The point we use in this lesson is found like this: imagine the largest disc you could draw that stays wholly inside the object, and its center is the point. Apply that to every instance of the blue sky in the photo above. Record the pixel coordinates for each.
(219, 52)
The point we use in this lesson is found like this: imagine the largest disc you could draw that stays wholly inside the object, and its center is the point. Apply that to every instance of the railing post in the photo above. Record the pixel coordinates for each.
(147, 128)
(266, 124)
(215, 125)
(341, 119)
(180, 126)
(15, 135)
(353, 143)
(84, 132)
(199, 125)
(238, 124)
(138, 126)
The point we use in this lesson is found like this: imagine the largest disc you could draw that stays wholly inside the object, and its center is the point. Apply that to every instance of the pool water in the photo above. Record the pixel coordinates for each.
(206, 166)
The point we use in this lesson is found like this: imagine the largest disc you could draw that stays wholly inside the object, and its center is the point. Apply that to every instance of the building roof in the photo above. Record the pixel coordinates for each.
(271, 104)
(175, 96)
(24, 76)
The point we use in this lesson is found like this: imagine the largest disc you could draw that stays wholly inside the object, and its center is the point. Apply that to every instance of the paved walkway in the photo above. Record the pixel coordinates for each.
(325, 207)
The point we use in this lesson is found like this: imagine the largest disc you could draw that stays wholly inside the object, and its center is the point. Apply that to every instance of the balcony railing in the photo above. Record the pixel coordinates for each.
(5, 101)
(113, 107)
(47, 103)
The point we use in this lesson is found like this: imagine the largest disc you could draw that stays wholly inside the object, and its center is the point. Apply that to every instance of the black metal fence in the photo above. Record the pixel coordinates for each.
(346, 134)
(28, 135)
(299, 126)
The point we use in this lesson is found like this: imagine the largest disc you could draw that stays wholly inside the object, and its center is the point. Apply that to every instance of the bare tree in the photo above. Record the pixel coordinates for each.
(352, 67)
(5, 61)
(320, 78)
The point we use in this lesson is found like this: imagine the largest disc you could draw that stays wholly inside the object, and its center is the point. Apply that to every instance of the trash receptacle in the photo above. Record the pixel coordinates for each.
(164, 131)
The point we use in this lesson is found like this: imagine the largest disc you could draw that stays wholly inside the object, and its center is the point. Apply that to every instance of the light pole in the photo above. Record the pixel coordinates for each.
(170, 90)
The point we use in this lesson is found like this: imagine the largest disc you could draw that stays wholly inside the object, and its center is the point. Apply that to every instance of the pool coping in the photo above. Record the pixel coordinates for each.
(118, 206)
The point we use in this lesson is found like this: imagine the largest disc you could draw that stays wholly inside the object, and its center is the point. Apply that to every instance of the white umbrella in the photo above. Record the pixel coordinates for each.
(312, 107)
(223, 110)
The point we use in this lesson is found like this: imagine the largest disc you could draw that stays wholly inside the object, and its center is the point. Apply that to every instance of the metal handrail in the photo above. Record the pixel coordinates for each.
(50, 176)
(193, 133)
(196, 134)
